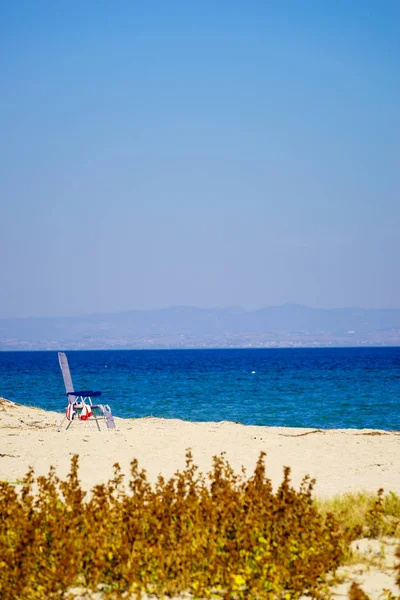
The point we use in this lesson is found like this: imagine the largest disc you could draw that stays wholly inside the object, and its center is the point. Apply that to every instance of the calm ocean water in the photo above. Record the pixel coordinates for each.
(325, 388)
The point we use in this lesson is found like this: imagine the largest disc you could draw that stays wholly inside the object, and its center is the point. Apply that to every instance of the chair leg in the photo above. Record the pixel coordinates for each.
(62, 423)
(96, 419)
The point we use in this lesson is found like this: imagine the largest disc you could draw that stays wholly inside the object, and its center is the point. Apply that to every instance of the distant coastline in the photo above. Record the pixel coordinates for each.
(56, 346)
(285, 326)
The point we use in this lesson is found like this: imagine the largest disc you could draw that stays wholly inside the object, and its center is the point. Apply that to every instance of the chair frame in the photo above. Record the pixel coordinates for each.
(77, 400)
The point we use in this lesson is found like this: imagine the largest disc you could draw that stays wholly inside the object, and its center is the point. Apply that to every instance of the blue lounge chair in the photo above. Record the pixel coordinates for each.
(80, 402)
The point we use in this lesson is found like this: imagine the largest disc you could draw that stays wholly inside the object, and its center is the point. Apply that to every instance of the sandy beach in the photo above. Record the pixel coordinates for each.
(340, 461)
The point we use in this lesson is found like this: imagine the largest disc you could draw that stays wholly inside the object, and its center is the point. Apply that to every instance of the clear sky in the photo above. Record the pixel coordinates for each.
(204, 153)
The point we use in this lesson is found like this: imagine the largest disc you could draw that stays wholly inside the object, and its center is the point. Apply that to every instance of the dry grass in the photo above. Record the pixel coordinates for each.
(365, 514)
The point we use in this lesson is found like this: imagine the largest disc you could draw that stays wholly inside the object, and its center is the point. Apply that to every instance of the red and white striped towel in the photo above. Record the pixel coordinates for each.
(86, 412)
(69, 411)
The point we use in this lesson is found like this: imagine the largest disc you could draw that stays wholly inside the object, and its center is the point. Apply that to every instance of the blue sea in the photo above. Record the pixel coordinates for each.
(324, 388)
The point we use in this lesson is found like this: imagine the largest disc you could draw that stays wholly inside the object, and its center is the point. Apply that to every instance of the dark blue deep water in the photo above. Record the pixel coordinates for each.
(325, 388)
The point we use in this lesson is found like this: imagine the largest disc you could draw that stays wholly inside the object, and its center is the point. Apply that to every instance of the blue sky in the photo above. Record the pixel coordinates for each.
(198, 153)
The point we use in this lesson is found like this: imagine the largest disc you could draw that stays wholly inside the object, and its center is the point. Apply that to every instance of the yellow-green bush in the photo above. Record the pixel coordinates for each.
(223, 534)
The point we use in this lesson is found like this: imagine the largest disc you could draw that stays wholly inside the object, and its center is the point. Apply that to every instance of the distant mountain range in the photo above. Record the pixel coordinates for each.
(289, 325)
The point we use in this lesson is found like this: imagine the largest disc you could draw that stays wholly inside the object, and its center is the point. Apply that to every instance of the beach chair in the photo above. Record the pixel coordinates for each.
(80, 405)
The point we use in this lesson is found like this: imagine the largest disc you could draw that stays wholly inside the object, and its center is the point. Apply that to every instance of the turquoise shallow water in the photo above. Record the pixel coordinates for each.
(325, 388)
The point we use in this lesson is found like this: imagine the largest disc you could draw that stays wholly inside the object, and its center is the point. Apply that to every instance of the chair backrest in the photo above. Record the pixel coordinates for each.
(69, 386)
